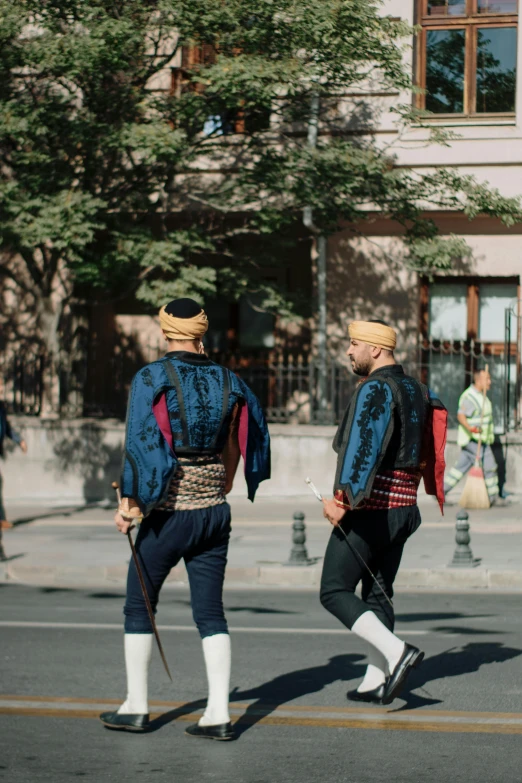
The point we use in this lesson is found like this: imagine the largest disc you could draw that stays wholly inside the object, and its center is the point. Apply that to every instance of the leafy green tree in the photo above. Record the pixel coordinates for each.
(110, 186)
(87, 154)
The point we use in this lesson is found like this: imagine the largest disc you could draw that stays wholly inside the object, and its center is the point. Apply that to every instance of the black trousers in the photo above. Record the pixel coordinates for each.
(378, 537)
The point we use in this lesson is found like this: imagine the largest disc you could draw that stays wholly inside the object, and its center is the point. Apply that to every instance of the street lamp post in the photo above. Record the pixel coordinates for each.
(321, 246)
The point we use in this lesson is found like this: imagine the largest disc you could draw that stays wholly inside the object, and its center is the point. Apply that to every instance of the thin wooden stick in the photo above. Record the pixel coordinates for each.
(144, 588)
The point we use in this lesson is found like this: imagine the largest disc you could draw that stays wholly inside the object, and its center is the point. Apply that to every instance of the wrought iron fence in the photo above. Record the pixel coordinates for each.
(97, 385)
(447, 367)
(75, 386)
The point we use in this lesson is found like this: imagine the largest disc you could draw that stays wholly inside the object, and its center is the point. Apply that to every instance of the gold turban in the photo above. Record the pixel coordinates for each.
(378, 335)
(183, 328)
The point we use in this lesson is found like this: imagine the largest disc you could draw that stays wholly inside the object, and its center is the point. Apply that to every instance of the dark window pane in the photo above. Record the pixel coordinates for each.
(256, 326)
(497, 6)
(447, 7)
(496, 69)
(445, 71)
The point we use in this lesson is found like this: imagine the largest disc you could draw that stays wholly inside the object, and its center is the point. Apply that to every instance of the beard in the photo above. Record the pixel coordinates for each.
(362, 367)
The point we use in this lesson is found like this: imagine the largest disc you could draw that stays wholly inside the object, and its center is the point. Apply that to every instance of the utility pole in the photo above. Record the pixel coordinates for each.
(321, 245)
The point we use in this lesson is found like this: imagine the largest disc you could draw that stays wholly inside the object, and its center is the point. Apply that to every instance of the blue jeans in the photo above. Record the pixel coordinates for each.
(201, 538)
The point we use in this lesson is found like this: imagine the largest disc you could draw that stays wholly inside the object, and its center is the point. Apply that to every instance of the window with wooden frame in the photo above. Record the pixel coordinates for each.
(467, 57)
(226, 122)
(463, 327)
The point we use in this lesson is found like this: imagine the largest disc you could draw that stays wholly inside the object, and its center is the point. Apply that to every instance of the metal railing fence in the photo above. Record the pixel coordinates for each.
(96, 384)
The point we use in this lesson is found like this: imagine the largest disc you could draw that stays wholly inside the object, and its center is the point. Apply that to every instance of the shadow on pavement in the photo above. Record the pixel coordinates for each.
(418, 617)
(258, 610)
(60, 512)
(10, 558)
(454, 663)
(248, 609)
(179, 712)
(287, 687)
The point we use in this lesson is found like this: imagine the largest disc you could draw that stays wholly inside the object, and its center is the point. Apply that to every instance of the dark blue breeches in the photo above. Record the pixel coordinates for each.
(201, 538)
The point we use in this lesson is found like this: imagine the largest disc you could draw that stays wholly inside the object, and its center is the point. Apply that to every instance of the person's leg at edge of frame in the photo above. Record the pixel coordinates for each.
(3, 555)
(206, 573)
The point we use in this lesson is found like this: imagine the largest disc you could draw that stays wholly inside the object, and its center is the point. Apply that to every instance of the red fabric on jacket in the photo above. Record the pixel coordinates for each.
(433, 463)
(161, 414)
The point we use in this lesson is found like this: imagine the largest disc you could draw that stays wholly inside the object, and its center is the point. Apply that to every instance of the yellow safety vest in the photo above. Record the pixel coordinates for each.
(488, 435)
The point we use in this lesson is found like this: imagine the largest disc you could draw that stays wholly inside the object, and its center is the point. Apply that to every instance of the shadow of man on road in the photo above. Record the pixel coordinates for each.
(178, 712)
(287, 687)
(454, 663)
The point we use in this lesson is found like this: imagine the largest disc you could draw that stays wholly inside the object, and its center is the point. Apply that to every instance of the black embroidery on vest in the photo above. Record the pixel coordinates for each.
(373, 409)
(152, 483)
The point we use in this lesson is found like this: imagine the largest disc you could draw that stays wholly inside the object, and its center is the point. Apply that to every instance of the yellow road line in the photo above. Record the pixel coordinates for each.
(283, 715)
(265, 706)
(275, 720)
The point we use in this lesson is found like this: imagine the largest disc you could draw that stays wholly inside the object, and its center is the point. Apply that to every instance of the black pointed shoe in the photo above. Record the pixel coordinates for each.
(222, 732)
(113, 720)
(410, 659)
(369, 697)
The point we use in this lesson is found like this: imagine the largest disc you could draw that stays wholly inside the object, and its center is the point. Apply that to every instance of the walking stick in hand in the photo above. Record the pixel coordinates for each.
(355, 552)
(143, 587)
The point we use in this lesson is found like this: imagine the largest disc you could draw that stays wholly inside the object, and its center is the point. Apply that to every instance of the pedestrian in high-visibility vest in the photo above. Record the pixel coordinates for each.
(470, 429)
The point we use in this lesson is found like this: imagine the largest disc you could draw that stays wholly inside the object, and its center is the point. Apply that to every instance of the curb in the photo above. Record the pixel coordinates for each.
(258, 576)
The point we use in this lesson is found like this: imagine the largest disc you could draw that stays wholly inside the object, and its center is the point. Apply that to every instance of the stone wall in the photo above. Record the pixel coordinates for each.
(73, 462)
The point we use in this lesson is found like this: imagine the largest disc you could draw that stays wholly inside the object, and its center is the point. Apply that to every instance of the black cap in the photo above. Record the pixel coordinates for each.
(183, 308)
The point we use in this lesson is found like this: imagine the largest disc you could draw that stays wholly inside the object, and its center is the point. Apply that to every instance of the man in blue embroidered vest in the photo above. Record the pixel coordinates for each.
(472, 426)
(188, 421)
(393, 432)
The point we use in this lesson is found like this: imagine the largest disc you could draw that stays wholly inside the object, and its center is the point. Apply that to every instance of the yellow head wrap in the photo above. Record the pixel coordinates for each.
(378, 335)
(183, 328)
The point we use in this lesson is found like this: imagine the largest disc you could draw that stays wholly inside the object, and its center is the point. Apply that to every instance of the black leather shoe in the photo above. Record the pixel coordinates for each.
(370, 697)
(222, 731)
(410, 659)
(113, 720)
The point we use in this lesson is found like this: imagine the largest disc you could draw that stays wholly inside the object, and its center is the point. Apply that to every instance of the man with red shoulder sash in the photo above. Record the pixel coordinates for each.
(392, 434)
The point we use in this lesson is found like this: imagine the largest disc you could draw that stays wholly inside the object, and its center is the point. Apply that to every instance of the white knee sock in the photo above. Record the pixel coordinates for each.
(370, 628)
(375, 671)
(138, 651)
(217, 654)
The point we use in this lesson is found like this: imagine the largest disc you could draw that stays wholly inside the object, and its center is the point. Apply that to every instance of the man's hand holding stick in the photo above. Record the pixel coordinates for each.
(128, 516)
(334, 514)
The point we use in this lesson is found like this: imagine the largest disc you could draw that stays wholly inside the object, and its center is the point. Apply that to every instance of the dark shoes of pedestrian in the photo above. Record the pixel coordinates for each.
(374, 696)
(113, 720)
(222, 732)
(410, 659)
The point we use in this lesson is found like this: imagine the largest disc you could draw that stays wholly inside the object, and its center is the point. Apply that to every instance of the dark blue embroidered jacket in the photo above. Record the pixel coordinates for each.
(200, 396)
(383, 428)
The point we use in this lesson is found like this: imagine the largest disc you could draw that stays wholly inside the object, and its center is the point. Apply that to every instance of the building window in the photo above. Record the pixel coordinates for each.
(463, 327)
(467, 59)
(235, 120)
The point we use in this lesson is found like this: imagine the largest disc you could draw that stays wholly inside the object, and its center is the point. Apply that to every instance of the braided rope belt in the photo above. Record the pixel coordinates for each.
(199, 482)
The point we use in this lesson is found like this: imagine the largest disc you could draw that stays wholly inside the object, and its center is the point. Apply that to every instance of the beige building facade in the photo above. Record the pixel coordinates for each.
(468, 58)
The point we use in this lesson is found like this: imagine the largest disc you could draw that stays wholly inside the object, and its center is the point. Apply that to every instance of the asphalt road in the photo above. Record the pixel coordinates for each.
(61, 664)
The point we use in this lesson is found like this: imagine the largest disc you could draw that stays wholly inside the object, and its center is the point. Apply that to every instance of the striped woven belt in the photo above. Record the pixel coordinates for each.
(391, 489)
(199, 482)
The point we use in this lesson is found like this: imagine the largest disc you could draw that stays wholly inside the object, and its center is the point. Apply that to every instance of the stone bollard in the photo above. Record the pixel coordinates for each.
(463, 556)
(299, 553)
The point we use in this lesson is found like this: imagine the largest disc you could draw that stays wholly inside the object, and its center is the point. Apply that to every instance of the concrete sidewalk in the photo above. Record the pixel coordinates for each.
(73, 547)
